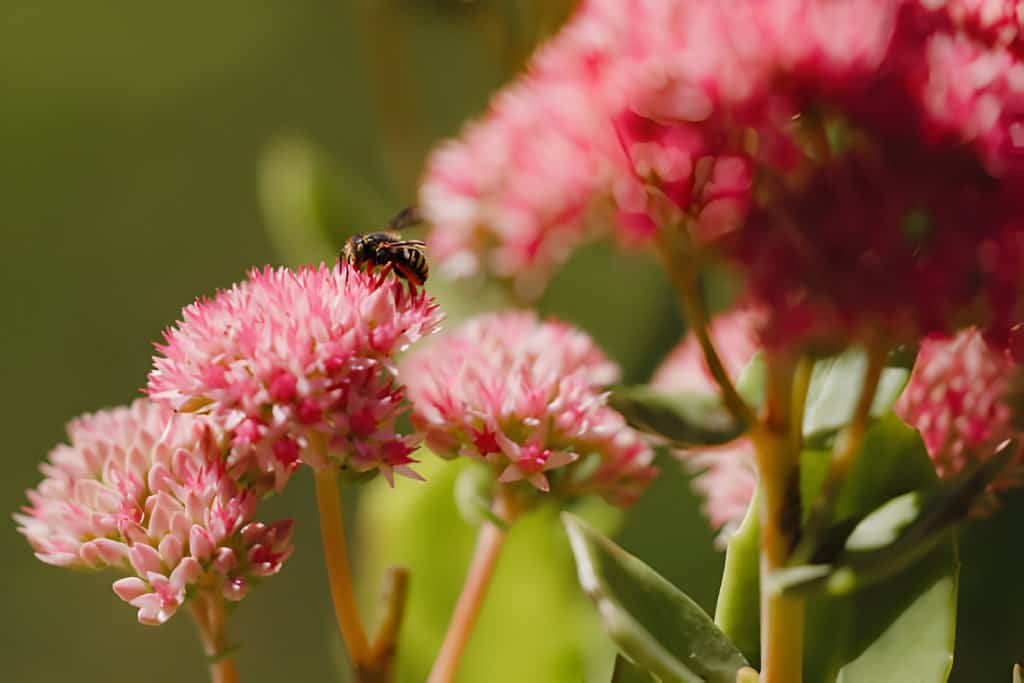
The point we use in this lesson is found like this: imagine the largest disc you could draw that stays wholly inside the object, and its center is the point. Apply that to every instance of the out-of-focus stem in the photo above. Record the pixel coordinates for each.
(782, 616)
(207, 607)
(332, 532)
(798, 404)
(684, 278)
(385, 646)
(481, 569)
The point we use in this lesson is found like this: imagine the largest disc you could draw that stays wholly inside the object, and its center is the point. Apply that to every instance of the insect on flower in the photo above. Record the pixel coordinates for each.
(389, 251)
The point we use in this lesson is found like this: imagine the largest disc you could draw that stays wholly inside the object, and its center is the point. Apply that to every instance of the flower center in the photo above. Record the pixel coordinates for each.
(532, 458)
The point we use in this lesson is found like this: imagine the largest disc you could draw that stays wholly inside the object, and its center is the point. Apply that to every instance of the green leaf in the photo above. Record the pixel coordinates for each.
(628, 672)
(652, 622)
(474, 492)
(901, 629)
(417, 524)
(899, 532)
(904, 629)
(738, 607)
(684, 419)
(835, 389)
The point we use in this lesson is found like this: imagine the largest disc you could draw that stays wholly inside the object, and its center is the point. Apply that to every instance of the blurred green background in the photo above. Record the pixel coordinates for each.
(134, 142)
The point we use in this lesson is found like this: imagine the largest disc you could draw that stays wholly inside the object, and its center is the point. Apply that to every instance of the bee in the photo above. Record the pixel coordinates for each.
(389, 251)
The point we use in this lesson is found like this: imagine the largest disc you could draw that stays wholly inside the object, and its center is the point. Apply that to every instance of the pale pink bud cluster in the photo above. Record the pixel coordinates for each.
(526, 397)
(144, 491)
(957, 399)
(297, 365)
(726, 476)
(837, 151)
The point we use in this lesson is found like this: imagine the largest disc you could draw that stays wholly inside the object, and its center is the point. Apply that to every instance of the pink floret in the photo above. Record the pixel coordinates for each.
(526, 397)
(288, 359)
(144, 491)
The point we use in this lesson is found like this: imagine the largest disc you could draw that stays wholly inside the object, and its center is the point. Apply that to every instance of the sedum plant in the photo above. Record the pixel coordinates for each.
(852, 167)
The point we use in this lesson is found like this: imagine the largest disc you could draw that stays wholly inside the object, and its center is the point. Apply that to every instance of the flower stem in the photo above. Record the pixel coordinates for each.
(481, 569)
(332, 532)
(207, 608)
(782, 616)
(385, 645)
(683, 274)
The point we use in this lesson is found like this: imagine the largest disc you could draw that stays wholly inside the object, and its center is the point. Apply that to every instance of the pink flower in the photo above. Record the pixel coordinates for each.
(525, 396)
(835, 151)
(289, 361)
(726, 476)
(957, 399)
(145, 492)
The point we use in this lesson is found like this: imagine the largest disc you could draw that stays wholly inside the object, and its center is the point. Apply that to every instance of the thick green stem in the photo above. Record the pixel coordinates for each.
(782, 616)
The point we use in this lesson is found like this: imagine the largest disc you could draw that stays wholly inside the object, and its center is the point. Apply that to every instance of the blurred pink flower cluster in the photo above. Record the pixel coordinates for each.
(297, 365)
(957, 399)
(862, 161)
(146, 492)
(526, 397)
(726, 476)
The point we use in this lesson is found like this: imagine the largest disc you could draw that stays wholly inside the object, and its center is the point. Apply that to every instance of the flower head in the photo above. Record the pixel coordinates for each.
(957, 399)
(861, 162)
(525, 396)
(297, 365)
(144, 491)
(726, 476)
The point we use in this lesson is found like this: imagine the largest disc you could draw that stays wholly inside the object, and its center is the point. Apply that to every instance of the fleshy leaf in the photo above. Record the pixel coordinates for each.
(474, 491)
(902, 628)
(896, 534)
(898, 630)
(628, 672)
(740, 594)
(835, 388)
(833, 391)
(652, 622)
(684, 419)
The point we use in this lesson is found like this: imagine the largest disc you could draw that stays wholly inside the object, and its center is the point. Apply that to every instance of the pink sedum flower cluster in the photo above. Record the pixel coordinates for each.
(526, 397)
(861, 161)
(144, 491)
(727, 475)
(957, 399)
(297, 366)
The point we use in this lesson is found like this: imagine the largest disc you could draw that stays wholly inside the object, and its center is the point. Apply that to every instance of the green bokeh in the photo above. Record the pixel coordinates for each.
(130, 141)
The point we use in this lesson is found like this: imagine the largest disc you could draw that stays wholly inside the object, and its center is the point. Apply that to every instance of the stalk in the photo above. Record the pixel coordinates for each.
(207, 608)
(467, 609)
(782, 616)
(683, 274)
(332, 532)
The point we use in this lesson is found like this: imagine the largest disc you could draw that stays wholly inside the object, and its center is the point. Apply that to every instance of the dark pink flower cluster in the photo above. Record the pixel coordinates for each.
(862, 161)
(297, 365)
(726, 476)
(957, 399)
(145, 491)
(526, 397)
